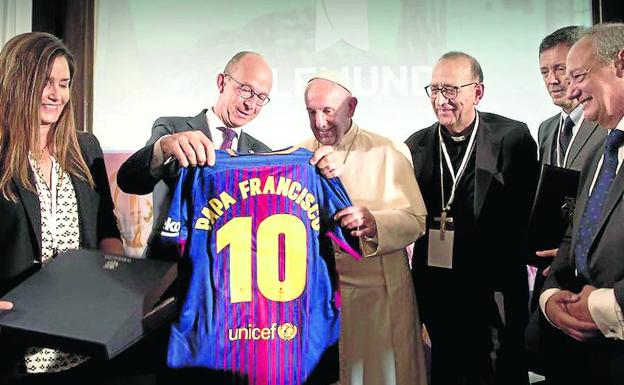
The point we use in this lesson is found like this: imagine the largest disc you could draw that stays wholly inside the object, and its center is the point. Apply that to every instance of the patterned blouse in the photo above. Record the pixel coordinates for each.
(60, 231)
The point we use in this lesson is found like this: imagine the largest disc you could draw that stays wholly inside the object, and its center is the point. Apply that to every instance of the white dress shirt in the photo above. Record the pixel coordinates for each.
(577, 117)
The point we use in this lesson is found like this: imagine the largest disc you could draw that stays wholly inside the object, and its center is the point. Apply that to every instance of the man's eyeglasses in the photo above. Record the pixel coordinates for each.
(449, 92)
(579, 76)
(246, 92)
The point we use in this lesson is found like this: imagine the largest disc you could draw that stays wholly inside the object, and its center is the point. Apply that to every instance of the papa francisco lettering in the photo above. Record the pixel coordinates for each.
(285, 187)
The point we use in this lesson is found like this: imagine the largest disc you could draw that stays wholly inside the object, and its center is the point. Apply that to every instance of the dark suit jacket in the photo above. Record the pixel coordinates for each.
(20, 222)
(588, 136)
(606, 265)
(135, 176)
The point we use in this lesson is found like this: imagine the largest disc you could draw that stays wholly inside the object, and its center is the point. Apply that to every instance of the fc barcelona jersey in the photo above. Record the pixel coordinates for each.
(261, 299)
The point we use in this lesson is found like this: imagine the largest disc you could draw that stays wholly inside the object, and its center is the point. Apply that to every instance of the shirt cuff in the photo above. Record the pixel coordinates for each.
(158, 158)
(606, 313)
(542, 302)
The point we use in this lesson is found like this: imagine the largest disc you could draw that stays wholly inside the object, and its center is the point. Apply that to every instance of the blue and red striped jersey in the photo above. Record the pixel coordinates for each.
(261, 300)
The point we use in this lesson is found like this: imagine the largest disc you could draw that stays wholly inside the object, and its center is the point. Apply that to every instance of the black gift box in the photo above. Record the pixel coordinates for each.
(553, 206)
(90, 303)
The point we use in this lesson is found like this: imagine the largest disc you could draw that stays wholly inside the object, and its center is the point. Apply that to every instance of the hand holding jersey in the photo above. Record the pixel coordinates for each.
(359, 220)
(328, 161)
(190, 148)
(356, 218)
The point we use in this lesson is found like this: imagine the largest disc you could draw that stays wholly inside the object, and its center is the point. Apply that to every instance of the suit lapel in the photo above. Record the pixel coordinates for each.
(582, 136)
(488, 148)
(200, 123)
(581, 201)
(30, 201)
(244, 145)
(614, 196)
(31, 204)
(86, 210)
(549, 141)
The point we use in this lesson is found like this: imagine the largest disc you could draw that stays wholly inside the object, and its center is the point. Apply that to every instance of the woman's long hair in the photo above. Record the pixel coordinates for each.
(25, 65)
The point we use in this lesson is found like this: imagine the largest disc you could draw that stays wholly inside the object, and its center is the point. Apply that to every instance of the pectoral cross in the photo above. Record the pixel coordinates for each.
(443, 220)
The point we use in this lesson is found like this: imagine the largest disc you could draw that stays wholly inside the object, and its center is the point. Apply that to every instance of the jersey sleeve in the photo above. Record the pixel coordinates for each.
(334, 198)
(175, 230)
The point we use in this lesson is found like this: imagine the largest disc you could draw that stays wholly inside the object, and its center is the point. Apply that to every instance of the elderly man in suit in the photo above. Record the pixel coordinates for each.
(244, 87)
(584, 293)
(477, 174)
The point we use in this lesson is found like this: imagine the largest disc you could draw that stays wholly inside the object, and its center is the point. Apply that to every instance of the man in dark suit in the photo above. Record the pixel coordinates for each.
(469, 272)
(584, 293)
(565, 139)
(244, 88)
(564, 142)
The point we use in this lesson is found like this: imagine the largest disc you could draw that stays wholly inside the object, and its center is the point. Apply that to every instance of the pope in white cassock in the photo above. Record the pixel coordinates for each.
(380, 341)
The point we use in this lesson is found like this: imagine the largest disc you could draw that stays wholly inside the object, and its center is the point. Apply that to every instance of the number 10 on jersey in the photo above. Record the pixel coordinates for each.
(237, 233)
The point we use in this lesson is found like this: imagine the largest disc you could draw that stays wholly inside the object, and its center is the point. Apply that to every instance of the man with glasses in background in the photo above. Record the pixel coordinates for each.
(477, 174)
(244, 88)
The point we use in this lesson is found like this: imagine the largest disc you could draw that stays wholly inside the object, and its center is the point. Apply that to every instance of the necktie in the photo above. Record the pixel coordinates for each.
(228, 136)
(565, 137)
(593, 209)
